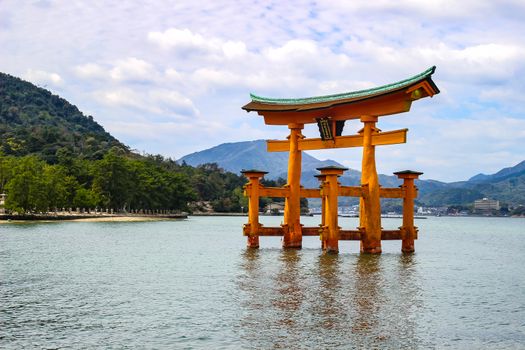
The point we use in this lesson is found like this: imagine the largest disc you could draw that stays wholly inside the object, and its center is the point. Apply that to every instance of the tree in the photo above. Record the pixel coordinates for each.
(6, 170)
(26, 189)
(112, 180)
(57, 186)
(85, 198)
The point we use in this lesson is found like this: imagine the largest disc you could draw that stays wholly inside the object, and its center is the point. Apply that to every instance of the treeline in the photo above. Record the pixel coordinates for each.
(120, 181)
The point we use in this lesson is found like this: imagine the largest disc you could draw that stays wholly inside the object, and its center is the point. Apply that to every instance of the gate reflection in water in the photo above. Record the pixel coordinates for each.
(329, 300)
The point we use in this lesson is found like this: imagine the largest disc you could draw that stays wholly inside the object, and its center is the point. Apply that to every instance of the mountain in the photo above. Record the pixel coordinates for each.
(507, 185)
(505, 173)
(237, 156)
(34, 121)
(253, 155)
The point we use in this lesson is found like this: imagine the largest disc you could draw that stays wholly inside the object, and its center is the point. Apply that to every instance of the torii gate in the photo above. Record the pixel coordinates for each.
(330, 113)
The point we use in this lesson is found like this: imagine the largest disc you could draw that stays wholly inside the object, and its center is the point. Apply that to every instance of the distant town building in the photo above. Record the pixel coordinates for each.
(274, 209)
(486, 205)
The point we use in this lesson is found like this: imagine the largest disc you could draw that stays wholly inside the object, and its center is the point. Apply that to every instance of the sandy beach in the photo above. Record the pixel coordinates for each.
(120, 219)
(102, 218)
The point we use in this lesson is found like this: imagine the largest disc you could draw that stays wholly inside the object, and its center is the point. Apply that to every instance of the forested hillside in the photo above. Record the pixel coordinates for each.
(34, 121)
(53, 156)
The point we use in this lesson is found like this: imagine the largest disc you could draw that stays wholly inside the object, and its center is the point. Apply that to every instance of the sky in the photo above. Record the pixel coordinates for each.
(170, 77)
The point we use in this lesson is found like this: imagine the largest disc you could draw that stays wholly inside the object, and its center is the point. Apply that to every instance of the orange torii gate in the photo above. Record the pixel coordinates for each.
(330, 113)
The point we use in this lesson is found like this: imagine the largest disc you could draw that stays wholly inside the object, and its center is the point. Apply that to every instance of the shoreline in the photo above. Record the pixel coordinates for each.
(13, 219)
(5, 218)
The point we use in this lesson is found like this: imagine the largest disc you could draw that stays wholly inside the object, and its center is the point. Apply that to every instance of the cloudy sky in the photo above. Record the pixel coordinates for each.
(170, 77)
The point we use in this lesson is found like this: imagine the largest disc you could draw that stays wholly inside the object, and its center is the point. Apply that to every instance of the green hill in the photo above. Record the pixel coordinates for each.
(53, 156)
(33, 121)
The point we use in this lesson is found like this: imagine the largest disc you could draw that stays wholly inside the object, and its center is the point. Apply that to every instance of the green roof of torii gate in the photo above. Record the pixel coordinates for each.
(260, 103)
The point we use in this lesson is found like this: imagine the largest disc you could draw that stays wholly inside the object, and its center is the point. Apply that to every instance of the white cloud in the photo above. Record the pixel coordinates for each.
(41, 77)
(126, 70)
(121, 97)
(184, 42)
(173, 74)
(132, 69)
(484, 62)
(164, 103)
(90, 71)
(181, 38)
(234, 49)
(185, 65)
(293, 50)
(173, 102)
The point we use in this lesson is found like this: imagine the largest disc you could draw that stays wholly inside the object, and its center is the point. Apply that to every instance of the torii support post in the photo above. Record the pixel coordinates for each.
(330, 194)
(370, 207)
(408, 230)
(292, 206)
(254, 177)
(322, 179)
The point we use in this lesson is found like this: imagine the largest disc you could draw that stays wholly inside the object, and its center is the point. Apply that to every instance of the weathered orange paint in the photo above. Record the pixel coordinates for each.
(253, 188)
(344, 235)
(330, 193)
(350, 191)
(367, 109)
(393, 103)
(370, 210)
(380, 138)
(385, 192)
(283, 192)
(322, 237)
(408, 230)
(292, 204)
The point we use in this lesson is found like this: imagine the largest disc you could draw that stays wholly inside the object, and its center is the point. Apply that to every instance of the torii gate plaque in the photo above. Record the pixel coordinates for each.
(330, 113)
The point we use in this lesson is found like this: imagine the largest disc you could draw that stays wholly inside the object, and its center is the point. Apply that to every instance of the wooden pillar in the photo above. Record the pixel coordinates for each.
(254, 177)
(330, 193)
(292, 237)
(408, 230)
(322, 179)
(370, 207)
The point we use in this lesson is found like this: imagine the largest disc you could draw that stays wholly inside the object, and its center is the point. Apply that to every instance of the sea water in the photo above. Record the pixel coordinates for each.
(192, 284)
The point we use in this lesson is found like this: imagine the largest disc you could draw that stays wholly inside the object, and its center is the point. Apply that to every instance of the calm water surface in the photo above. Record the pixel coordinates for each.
(192, 285)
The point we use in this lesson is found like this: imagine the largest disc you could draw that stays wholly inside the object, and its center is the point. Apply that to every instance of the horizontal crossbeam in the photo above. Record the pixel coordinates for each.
(283, 192)
(344, 235)
(350, 191)
(278, 192)
(382, 138)
(385, 192)
(344, 191)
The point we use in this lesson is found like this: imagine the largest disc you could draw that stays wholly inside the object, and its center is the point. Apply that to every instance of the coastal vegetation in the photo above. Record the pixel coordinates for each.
(52, 156)
(120, 181)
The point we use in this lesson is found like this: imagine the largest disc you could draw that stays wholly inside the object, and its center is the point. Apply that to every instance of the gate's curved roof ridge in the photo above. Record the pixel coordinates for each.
(261, 103)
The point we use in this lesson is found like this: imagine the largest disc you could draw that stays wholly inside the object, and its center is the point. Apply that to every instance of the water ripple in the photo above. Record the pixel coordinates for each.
(193, 285)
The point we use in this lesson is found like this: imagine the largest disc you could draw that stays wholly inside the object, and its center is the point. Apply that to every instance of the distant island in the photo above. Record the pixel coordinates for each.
(53, 158)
